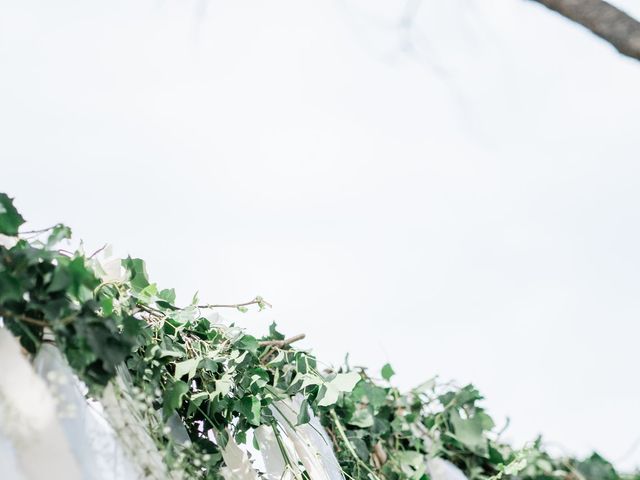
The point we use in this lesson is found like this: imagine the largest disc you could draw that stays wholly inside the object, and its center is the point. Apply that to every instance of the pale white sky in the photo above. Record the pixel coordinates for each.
(458, 196)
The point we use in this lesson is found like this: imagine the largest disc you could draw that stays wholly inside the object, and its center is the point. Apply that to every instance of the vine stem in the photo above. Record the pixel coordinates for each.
(23, 318)
(255, 301)
(347, 443)
(42, 230)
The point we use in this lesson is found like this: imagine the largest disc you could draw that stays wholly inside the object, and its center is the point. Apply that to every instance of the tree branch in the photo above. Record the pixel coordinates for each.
(603, 19)
(23, 318)
(281, 343)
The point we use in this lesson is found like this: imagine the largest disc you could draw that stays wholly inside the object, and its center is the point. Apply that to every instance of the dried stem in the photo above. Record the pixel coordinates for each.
(23, 318)
(256, 301)
(282, 343)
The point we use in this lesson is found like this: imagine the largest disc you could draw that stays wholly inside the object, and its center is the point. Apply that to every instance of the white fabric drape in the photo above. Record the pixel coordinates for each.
(28, 419)
(440, 469)
(93, 442)
(311, 444)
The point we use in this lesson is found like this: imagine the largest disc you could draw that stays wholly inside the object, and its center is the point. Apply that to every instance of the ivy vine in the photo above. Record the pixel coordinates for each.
(219, 380)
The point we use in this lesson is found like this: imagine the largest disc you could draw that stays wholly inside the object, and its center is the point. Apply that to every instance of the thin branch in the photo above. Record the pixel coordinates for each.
(282, 343)
(98, 251)
(23, 318)
(151, 311)
(256, 301)
(604, 20)
(348, 445)
(42, 230)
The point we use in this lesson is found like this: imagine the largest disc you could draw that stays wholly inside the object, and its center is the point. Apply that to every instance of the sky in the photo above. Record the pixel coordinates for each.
(451, 187)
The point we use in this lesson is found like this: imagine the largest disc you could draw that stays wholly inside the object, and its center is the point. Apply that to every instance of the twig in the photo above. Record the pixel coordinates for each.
(42, 230)
(255, 301)
(281, 343)
(379, 453)
(98, 251)
(23, 318)
(349, 446)
(266, 355)
(151, 311)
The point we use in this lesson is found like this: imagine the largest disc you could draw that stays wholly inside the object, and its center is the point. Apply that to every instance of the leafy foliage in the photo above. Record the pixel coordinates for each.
(219, 380)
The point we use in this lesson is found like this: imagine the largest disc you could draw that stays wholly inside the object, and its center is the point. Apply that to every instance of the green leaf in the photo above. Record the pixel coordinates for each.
(368, 392)
(168, 295)
(250, 407)
(387, 372)
(10, 219)
(58, 233)
(107, 306)
(138, 271)
(173, 397)
(361, 418)
(274, 334)
(342, 382)
(248, 342)
(303, 415)
(133, 326)
(188, 367)
(597, 468)
(469, 431)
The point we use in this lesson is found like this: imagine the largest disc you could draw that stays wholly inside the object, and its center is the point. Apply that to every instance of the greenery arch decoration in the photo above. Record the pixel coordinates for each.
(221, 380)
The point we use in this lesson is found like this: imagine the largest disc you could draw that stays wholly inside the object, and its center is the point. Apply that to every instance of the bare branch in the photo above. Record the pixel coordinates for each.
(282, 343)
(23, 318)
(603, 19)
(256, 301)
(42, 230)
(98, 251)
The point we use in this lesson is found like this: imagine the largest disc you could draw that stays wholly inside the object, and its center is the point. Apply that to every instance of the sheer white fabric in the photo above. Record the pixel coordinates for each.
(8, 461)
(238, 466)
(440, 469)
(311, 444)
(93, 442)
(28, 419)
(132, 434)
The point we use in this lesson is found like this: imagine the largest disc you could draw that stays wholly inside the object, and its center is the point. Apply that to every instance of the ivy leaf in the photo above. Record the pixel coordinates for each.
(173, 397)
(132, 326)
(360, 447)
(412, 463)
(469, 431)
(387, 372)
(111, 349)
(274, 334)
(10, 219)
(250, 407)
(138, 270)
(222, 386)
(303, 415)
(10, 287)
(374, 395)
(342, 382)
(58, 233)
(248, 342)
(597, 468)
(107, 306)
(168, 295)
(188, 367)
(361, 418)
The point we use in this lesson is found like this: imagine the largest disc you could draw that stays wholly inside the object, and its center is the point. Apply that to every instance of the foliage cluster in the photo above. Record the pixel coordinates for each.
(218, 380)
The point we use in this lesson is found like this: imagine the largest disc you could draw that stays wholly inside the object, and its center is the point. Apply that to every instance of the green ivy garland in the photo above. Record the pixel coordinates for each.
(220, 380)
